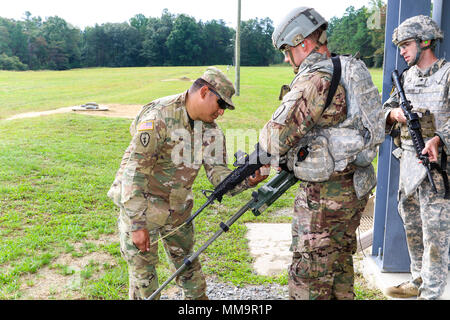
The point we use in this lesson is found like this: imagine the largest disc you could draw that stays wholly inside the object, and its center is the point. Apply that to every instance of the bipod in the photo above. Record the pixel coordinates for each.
(261, 200)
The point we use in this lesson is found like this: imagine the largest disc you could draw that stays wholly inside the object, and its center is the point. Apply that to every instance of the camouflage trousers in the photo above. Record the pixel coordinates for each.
(326, 216)
(426, 218)
(143, 279)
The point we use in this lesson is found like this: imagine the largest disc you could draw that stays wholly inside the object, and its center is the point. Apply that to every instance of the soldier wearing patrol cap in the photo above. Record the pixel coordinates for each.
(327, 209)
(425, 214)
(172, 137)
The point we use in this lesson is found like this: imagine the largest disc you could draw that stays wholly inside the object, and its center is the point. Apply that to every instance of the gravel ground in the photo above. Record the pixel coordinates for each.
(224, 291)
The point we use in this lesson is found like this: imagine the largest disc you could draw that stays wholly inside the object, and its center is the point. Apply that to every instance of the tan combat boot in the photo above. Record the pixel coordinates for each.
(404, 290)
(202, 297)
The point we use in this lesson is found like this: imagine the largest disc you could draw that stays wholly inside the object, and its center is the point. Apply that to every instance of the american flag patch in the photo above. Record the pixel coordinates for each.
(144, 126)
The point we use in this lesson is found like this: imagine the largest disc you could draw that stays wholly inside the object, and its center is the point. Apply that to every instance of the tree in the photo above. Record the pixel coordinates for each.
(167, 40)
(185, 42)
(256, 42)
(12, 39)
(360, 31)
(11, 63)
(378, 30)
(217, 46)
(94, 47)
(111, 45)
(122, 44)
(64, 43)
(140, 22)
(154, 47)
(349, 34)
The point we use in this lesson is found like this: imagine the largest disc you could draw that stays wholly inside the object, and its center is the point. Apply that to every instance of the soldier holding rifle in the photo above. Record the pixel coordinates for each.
(423, 202)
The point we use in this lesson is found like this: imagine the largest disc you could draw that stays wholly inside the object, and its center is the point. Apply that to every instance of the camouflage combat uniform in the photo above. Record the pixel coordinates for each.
(426, 215)
(153, 188)
(326, 214)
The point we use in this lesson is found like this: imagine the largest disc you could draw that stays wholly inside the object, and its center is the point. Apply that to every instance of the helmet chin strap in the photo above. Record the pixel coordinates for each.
(419, 51)
(291, 56)
(417, 57)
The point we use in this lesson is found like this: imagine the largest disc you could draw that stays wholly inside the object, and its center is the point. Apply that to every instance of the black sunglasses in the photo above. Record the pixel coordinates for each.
(222, 104)
(285, 49)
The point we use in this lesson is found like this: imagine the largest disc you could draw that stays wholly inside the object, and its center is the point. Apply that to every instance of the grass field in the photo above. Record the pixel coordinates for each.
(55, 172)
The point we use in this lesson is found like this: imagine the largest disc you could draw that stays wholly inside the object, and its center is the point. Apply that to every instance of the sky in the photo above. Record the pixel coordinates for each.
(82, 13)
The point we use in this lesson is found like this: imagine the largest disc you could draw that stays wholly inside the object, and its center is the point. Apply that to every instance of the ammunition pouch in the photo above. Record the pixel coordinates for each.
(395, 134)
(283, 91)
(317, 166)
(427, 124)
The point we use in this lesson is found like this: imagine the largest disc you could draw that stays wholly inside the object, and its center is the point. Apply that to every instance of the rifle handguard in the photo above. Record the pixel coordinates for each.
(246, 166)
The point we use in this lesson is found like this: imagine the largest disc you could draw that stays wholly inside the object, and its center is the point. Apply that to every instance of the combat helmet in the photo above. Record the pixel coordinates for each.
(296, 26)
(418, 28)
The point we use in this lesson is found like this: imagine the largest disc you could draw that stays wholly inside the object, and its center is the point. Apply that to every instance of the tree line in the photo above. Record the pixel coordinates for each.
(360, 31)
(169, 40)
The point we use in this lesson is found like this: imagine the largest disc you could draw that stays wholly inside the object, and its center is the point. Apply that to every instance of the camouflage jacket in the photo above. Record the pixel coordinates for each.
(429, 94)
(160, 165)
(302, 109)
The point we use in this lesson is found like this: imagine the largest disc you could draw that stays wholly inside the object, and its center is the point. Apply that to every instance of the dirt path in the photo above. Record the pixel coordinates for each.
(115, 110)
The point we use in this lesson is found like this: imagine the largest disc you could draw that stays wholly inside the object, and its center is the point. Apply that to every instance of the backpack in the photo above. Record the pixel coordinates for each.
(364, 108)
(356, 139)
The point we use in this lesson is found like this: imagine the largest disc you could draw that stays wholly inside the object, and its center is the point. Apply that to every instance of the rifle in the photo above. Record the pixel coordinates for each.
(414, 128)
(261, 200)
(246, 166)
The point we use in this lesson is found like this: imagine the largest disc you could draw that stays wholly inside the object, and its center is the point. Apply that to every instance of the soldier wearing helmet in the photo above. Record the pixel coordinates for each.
(300, 24)
(425, 214)
(326, 213)
(420, 33)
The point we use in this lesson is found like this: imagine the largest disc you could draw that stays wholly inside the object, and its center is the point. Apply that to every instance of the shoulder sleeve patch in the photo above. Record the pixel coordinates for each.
(289, 100)
(144, 138)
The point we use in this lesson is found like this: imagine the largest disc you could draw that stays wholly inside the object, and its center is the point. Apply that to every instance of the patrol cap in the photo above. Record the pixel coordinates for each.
(221, 84)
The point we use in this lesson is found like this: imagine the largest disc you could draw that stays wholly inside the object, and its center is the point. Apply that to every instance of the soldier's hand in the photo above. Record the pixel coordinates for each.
(397, 115)
(431, 147)
(141, 239)
(259, 175)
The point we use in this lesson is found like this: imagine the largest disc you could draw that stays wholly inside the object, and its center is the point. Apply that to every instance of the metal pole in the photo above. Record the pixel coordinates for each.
(440, 7)
(238, 50)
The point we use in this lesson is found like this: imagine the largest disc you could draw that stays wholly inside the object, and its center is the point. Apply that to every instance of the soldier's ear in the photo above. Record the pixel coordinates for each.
(203, 91)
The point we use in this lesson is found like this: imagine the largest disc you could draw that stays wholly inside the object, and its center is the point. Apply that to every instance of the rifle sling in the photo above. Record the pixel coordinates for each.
(442, 169)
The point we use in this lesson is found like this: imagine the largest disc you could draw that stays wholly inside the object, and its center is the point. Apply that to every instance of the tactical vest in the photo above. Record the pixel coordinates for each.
(353, 141)
(429, 98)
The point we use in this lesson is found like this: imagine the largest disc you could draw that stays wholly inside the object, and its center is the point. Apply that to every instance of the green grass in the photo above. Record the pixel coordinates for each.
(45, 90)
(55, 172)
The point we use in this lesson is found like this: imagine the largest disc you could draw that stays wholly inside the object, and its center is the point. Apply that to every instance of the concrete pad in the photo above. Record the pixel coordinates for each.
(269, 244)
(382, 280)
